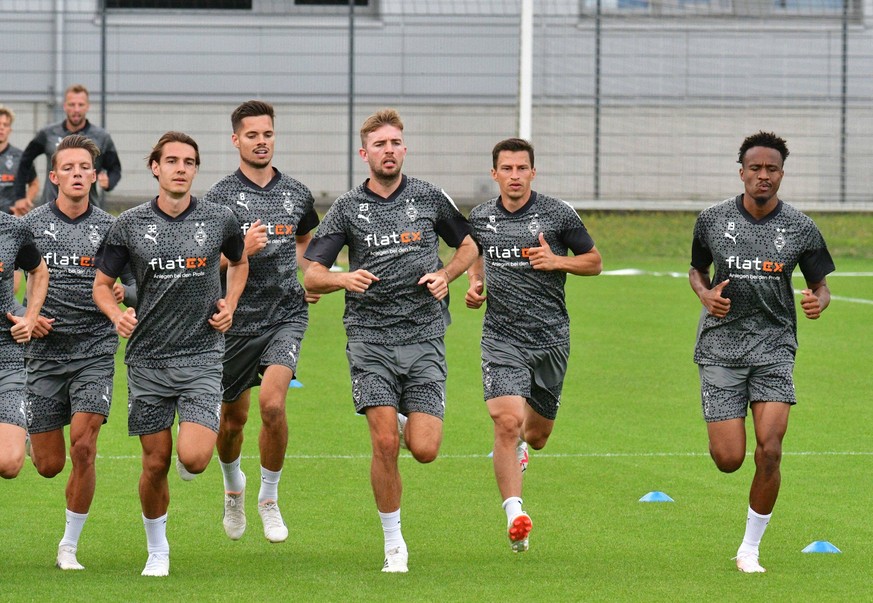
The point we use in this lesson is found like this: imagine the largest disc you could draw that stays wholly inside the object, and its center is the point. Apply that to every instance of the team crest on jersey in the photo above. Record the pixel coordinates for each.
(152, 233)
(363, 210)
(780, 241)
(534, 226)
(492, 224)
(200, 233)
(94, 235)
(411, 210)
(9, 162)
(287, 202)
(51, 232)
(242, 201)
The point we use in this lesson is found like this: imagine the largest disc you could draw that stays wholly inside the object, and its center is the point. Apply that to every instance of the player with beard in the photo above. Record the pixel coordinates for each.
(396, 308)
(747, 335)
(107, 164)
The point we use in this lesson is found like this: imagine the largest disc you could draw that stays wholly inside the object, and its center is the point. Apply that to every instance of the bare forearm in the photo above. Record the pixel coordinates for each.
(237, 274)
(464, 256)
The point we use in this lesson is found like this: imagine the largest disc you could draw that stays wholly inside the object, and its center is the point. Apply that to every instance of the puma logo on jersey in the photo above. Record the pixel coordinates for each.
(152, 233)
(50, 231)
(731, 237)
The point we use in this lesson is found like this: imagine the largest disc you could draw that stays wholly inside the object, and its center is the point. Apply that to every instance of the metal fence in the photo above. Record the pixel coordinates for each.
(634, 102)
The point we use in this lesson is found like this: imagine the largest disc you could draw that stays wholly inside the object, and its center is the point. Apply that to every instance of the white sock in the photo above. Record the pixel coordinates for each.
(75, 523)
(512, 506)
(755, 526)
(391, 529)
(269, 485)
(156, 534)
(234, 481)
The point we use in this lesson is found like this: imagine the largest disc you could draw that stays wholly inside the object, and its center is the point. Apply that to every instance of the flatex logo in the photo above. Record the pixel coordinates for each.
(738, 263)
(507, 253)
(177, 263)
(394, 238)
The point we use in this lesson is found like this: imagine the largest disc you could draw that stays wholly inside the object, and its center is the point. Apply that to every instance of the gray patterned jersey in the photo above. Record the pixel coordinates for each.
(758, 256)
(273, 293)
(10, 157)
(17, 249)
(175, 262)
(526, 306)
(397, 240)
(69, 247)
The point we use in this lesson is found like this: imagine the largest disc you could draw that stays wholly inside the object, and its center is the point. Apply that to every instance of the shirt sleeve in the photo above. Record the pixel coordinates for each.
(577, 240)
(325, 249)
(701, 255)
(112, 164)
(28, 257)
(234, 244)
(26, 171)
(112, 259)
(451, 225)
(308, 222)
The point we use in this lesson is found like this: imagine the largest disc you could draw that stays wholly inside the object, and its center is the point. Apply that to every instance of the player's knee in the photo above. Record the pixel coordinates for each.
(233, 421)
(49, 466)
(507, 425)
(83, 452)
(425, 453)
(273, 413)
(156, 465)
(386, 445)
(11, 467)
(768, 456)
(536, 441)
(726, 461)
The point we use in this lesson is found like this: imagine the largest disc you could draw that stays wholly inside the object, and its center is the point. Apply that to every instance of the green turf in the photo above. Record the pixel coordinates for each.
(630, 424)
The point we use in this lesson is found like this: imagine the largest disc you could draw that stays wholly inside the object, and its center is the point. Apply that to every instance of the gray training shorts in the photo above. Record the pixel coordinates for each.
(247, 357)
(534, 374)
(155, 394)
(726, 392)
(12, 407)
(411, 378)
(56, 390)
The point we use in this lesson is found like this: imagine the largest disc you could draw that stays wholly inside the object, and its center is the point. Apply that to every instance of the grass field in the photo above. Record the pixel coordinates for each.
(630, 424)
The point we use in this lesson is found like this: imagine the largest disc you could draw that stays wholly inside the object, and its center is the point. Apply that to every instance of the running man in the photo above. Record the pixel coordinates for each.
(174, 245)
(747, 336)
(71, 360)
(262, 347)
(10, 158)
(525, 238)
(396, 307)
(17, 250)
(107, 164)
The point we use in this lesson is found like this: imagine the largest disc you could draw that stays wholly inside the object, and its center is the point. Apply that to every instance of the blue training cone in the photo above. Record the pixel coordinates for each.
(656, 496)
(294, 383)
(821, 546)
